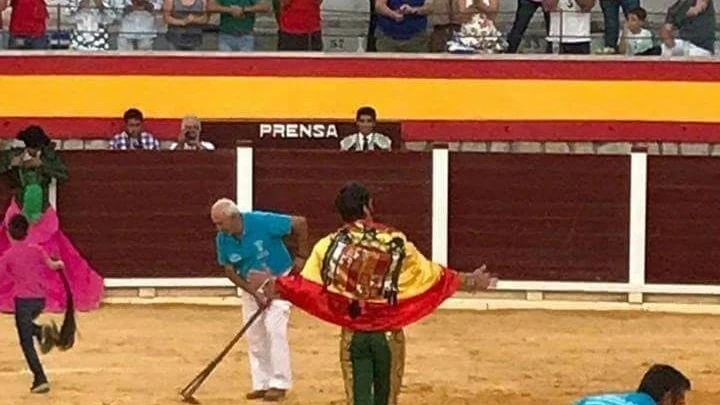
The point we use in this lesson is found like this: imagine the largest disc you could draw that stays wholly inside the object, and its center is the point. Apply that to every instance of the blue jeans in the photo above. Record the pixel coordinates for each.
(27, 42)
(611, 15)
(26, 310)
(239, 43)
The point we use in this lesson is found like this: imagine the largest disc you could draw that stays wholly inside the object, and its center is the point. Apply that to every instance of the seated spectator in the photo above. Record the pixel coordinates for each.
(134, 137)
(184, 19)
(300, 26)
(366, 138)
(237, 23)
(189, 139)
(90, 32)
(402, 25)
(611, 17)
(137, 26)
(634, 39)
(478, 34)
(570, 25)
(695, 22)
(28, 23)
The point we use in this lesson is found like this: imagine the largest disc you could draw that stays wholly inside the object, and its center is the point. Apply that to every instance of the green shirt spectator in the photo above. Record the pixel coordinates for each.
(237, 23)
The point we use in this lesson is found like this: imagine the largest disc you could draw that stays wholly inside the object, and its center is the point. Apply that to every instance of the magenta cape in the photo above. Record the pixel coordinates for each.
(86, 284)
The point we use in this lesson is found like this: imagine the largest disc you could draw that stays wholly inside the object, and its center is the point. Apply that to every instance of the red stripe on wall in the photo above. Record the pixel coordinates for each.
(457, 131)
(86, 128)
(441, 67)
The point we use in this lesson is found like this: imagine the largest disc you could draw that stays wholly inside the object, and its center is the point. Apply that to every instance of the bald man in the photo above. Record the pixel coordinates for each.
(254, 241)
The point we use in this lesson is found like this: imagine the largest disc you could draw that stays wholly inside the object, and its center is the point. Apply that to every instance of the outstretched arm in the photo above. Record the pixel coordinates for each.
(479, 279)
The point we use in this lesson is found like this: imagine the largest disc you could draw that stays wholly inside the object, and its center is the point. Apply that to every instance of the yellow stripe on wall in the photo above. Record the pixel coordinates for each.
(217, 97)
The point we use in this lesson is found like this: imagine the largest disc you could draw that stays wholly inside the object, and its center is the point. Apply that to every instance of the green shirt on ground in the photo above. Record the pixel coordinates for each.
(237, 25)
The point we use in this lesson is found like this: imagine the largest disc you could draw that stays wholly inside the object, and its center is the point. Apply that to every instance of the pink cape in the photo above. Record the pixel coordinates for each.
(86, 284)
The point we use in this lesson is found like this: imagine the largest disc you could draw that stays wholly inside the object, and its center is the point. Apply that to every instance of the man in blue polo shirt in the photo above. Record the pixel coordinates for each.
(254, 241)
(661, 385)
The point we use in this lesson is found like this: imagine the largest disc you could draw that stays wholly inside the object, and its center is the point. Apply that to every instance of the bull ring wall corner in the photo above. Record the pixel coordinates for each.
(635, 294)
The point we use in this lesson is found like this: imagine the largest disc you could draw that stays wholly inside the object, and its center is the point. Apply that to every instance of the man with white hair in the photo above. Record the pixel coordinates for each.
(189, 139)
(253, 240)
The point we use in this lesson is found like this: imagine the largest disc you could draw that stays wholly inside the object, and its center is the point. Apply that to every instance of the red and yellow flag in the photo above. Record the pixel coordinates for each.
(420, 287)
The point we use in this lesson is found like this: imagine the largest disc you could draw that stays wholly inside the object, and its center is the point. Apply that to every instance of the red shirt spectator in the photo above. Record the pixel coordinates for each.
(300, 16)
(300, 26)
(28, 18)
(28, 23)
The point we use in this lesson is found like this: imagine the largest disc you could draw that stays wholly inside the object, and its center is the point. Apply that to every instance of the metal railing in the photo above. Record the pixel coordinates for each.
(342, 30)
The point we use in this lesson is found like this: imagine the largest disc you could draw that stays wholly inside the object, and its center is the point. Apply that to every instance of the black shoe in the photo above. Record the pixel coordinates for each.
(40, 388)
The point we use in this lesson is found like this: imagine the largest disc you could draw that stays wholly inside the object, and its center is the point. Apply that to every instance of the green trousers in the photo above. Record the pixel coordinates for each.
(373, 364)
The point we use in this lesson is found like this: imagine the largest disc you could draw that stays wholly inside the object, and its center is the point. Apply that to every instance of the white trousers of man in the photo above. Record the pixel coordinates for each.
(269, 350)
(684, 48)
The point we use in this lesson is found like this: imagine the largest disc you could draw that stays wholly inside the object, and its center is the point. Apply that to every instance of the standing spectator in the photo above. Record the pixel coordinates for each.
(478, 34)
(372, 25)
(695, 22)
(445, 20)
(366, 138)
(189, 139)
(300, 26)
(134, 137)
(90, 31)
(184, 19)
(634, 39)
(237, 23)
(570, 25)
(402, 25)
(28, 23)
(523, 14)
(137, 26)
(611, 16)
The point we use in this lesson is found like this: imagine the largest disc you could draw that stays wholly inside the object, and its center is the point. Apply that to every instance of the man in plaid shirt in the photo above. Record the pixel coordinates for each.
(134, 137)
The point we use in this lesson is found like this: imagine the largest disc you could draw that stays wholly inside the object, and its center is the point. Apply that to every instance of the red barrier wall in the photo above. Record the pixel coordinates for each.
(145, 214)
(529, 217)
(305, 183)
(540, 217)
(683, 225)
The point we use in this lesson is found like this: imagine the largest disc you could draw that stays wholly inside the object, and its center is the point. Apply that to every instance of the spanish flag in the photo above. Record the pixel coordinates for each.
(342, 285)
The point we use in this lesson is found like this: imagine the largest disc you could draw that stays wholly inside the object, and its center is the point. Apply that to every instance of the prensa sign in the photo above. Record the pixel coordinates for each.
(290, 134)
(298, 131)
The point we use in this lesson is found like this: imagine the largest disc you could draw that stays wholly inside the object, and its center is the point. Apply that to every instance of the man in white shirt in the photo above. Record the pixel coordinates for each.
(189, 138)
(366, 138)
(138, 25)
(570, 25)
(695, 22)
(634, 39)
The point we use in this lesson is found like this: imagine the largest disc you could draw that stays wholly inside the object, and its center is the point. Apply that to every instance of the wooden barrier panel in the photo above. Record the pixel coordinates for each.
(540, 217)
(683, 225)
(145, 214)
(529, 217)
(306, 183)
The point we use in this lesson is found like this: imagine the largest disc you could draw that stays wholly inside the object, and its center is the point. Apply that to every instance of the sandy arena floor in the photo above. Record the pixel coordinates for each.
(143, 355)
